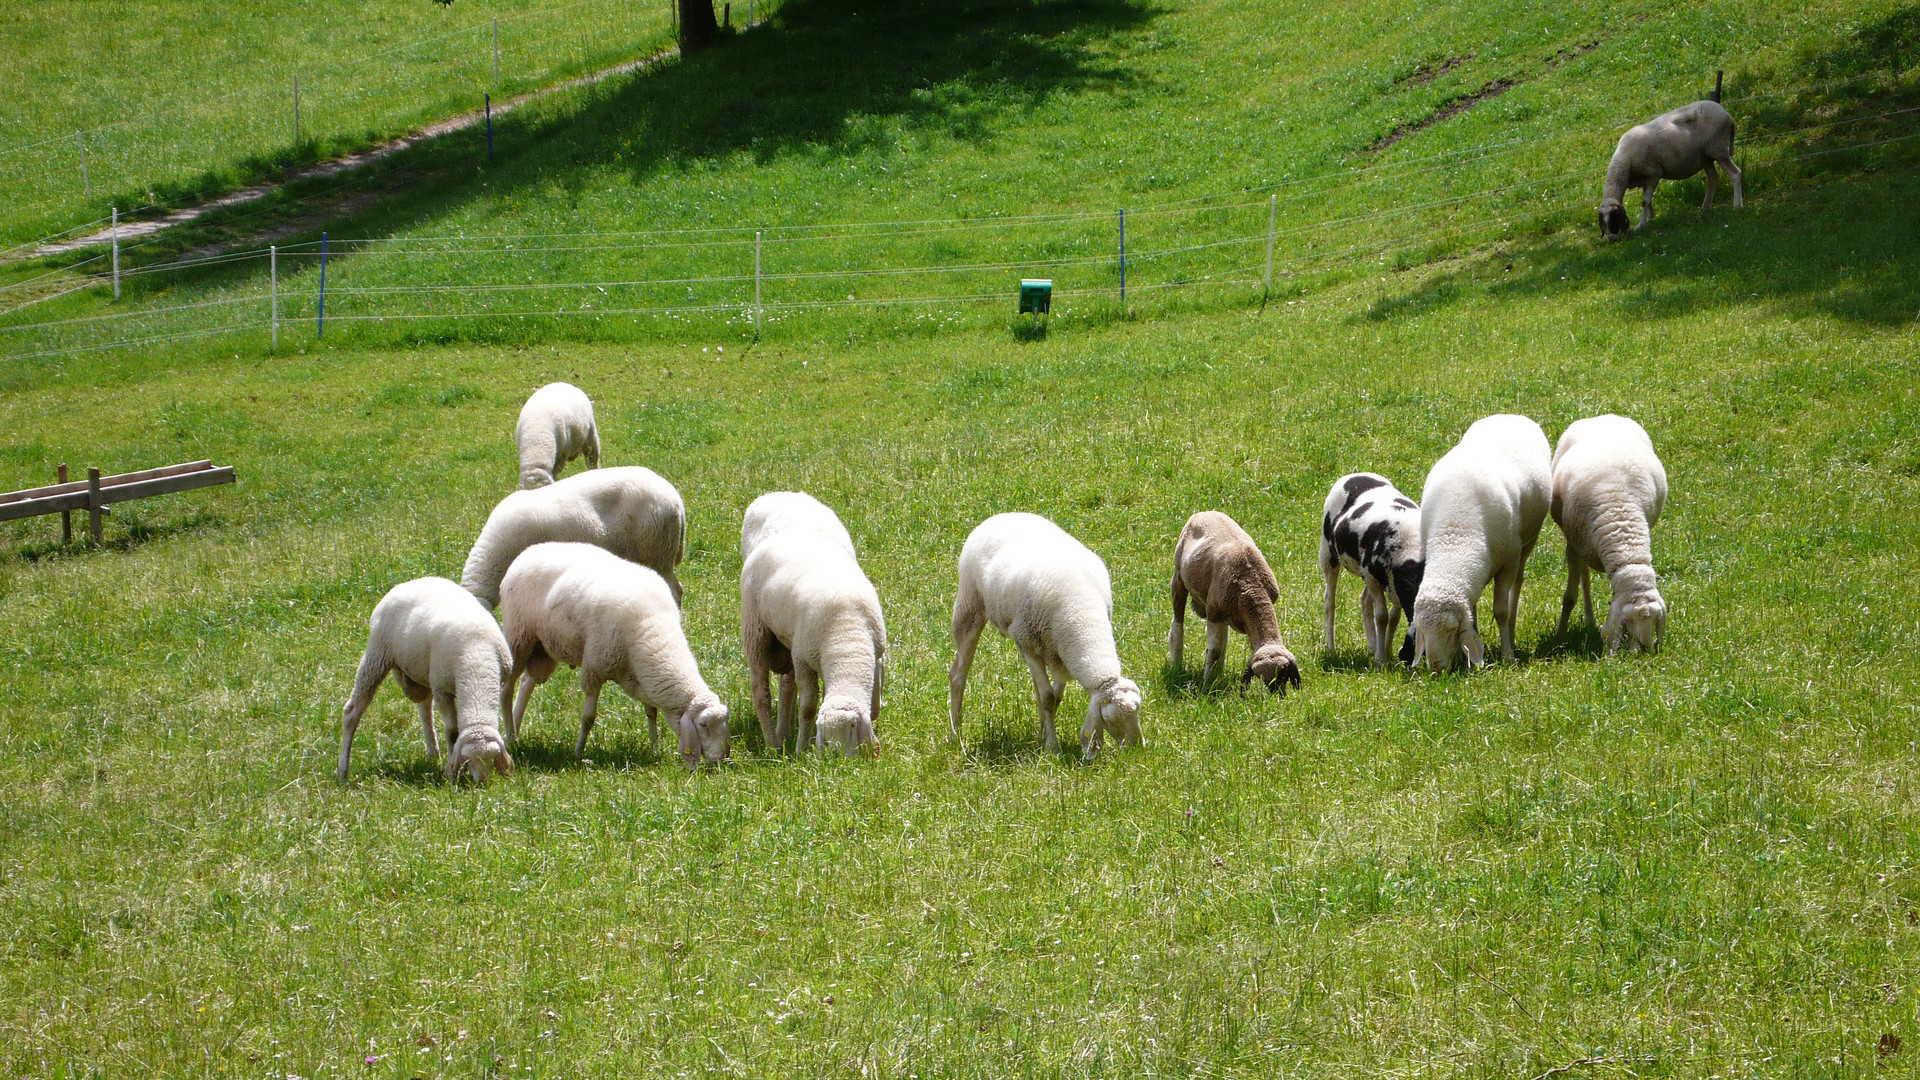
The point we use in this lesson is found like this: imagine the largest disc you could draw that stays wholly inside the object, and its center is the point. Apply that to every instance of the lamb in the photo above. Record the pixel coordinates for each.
(556, 425)
(808, 612)
(1671, 146)
(629, 510)
(777, 511)
(1373, 530)
(583, 606)
(1480, 515)
(1608, 490)
(1220, 570)
(444, 650)
(1049, 594)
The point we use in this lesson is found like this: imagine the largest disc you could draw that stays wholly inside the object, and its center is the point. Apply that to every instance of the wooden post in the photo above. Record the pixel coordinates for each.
(66, 516)
(1718, 76)
(96, 510)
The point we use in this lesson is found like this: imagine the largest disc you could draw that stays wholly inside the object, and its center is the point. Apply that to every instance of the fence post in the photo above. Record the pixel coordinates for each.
(496, 50)
(1272, 202)
(322, 332)
(296, 110)
(756, 284)
(96, 510)
(1123, 261)
(116, 253)
(273, 290)
(86, 183)
(66, 516)
(489, 98)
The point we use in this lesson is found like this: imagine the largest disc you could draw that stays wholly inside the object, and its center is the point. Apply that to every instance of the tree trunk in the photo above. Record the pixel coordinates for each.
(697, 25)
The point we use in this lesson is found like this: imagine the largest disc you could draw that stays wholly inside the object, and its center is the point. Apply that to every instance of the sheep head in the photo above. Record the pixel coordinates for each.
(1613, 220)
(843, 725)
(1443, 631)
(1638, 613)
(703, 732)
(477, 754)
(1273, 665)
(1116, 705)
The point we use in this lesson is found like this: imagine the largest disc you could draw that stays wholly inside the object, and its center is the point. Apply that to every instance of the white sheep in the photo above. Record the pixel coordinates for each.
(1049, 594)
(1671, 146)
(1372, 530)
(629, 510)
(778, 511)
(809, 614)
(1219, 570)
(556, 425)
(583, 606)
(1608, 491)
(1480, 515)
(445, 651)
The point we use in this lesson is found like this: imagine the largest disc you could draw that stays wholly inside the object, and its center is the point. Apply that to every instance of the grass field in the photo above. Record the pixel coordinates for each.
(1702, 863)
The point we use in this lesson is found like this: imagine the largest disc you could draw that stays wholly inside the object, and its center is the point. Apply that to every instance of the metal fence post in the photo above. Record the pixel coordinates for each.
(322, 314)
(273, 291)
(116, 253)
(756, 283)
(1123, 260)
(1272, 202)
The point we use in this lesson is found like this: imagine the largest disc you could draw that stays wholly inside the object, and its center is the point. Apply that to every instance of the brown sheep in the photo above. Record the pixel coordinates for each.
(1219, 568)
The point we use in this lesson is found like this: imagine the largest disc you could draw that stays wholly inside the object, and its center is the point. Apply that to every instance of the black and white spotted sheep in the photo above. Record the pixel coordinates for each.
(1373, 530)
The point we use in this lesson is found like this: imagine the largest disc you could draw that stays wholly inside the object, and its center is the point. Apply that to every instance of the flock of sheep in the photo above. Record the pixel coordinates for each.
(582, 570)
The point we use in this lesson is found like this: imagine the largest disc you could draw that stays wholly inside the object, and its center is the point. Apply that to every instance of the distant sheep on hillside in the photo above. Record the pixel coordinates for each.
(1671, 146)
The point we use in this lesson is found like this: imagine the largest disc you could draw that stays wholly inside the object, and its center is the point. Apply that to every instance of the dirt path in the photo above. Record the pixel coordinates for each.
(335, 167)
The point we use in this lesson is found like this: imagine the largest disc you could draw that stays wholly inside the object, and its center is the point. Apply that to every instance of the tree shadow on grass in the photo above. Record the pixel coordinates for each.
(1828, 228)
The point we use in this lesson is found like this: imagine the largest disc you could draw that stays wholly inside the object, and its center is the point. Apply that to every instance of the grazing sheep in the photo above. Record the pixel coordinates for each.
(1480, 515)
(1671, 146)
(1219, 568)
(1608, 490)
(1373, 530)
(444, 650)
(556, 425)
(583, 606)
(777, 511)
(630, 511)
(1049, 594)
(808, 612)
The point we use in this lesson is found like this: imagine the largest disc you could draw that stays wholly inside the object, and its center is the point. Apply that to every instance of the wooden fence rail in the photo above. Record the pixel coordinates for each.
(95, 492)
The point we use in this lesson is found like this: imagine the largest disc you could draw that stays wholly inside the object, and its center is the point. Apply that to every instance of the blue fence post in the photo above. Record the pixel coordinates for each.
(1123, 260)
(323, 286)
(489, 129)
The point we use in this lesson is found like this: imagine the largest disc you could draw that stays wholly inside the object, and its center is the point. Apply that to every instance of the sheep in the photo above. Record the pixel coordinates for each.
(1480, 515)
(808, 613)
(1608, 490)
(444, 650)
(1049, 594)
(556, 425)
(629, 510)
(1671, 146)
(1220, 570)
(777, 511)
(583, 606)
(1373, 530)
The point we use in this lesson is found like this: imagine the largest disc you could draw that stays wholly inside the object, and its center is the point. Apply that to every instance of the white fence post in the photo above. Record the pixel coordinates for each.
(1272, 202)
(273, 290)
(756, 283)
(116, 253)
(86, 183)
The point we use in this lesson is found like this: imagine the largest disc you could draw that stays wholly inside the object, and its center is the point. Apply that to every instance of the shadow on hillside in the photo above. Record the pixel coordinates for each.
(1828, 234)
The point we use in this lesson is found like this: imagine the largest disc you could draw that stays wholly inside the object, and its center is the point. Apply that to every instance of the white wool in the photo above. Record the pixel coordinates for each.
(1608, 490)
(1372, 530)
(630, 511)
(1671, 146)
(446, 652)
(556, 425)
(808, 611)
(1480, 515)
(1051, 596)
(583, 606)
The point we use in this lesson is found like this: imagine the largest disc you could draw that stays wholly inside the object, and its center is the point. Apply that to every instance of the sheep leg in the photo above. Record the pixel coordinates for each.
(366, 682)
(759, 671)
(968, 621)
(593, 449)
(1059, 681)
(450, 716)
(789, 701)
(1646, 202)
(1576, 577)
(1216, 652)
(590, 686)
(1373, 614)
(653, 729)
(1045, 697)
(1177, 636)
(1331, 571)
(1733, 174)
(1506, 604)
(809, 685)
(1586, 593)
(1091, 732)
(1713, 177)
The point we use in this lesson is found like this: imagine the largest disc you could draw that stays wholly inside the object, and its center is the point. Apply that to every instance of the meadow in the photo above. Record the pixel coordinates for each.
(1699, 863)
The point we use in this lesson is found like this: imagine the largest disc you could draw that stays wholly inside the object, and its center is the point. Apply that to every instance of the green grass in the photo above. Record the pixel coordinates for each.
(166, 116)
(1696, 864)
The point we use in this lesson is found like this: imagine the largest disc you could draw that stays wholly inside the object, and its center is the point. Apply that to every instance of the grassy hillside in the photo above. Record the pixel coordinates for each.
(1700, 863)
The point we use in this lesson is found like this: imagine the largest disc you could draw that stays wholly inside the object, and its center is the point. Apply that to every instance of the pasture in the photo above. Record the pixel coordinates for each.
(1700, 863)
